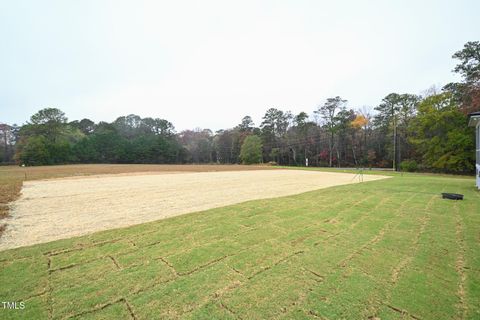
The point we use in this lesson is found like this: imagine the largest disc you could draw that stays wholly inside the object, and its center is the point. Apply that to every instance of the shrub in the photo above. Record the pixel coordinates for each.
(409, 165)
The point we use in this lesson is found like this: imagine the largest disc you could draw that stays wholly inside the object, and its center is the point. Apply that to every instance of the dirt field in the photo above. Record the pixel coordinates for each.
(55, 209)
(12, 177)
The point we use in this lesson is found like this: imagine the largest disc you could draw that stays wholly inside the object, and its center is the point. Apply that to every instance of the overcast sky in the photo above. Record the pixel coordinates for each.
(209, 63)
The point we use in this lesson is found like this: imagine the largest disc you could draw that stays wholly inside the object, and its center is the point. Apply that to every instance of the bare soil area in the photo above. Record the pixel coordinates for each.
(48, 210)
(13, 177)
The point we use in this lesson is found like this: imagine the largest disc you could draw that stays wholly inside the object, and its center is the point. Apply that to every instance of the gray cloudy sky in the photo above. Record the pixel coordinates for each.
(208, 63)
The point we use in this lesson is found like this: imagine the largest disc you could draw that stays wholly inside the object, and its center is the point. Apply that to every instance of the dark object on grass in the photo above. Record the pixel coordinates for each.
(452, 196)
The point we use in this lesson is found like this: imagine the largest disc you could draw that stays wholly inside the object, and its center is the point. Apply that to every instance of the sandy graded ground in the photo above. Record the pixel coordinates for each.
(55, 209)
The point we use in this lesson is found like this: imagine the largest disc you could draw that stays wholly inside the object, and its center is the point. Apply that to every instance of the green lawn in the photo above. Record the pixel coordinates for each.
(390, 249)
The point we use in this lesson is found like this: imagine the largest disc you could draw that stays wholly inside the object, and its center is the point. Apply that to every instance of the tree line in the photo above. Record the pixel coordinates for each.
(405, 131)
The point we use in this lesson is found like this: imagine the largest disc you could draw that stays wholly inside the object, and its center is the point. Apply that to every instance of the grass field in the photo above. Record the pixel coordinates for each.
(388, 249)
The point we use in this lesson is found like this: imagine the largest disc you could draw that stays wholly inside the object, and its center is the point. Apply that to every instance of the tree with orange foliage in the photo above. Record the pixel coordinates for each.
(359, 122)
